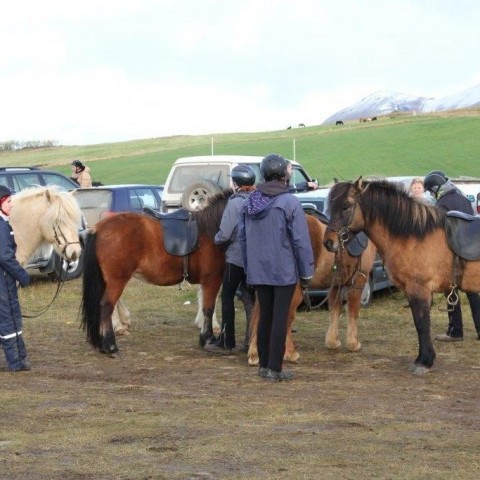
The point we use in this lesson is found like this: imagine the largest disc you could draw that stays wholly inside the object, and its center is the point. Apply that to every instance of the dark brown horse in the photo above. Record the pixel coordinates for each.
(344, 275)
(132, 245)
(411, 239)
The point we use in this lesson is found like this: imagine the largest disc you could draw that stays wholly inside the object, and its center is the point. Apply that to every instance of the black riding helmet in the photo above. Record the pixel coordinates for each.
(434, 180)
(5, 191)
(273, 167)
(77, 163)
(243, 175)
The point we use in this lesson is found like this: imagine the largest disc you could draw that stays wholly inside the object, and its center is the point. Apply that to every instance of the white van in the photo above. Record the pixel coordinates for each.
(192, 179)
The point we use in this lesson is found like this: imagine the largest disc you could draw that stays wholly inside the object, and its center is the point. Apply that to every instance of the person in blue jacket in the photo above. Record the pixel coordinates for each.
(11, 272)
(449, 197)
(277, 253)
(243, 178)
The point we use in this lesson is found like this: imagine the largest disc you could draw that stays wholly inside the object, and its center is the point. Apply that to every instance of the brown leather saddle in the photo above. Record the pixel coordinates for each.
(180, 230)
(463, 234)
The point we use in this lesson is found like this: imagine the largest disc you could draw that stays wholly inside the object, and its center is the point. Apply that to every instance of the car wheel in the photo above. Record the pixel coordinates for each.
(62, 270)
(367, 293)
(195, 195)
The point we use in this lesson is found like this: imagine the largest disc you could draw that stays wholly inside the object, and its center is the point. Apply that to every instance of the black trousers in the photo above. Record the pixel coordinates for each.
(274, 305)
(455, 323)
(232, 278)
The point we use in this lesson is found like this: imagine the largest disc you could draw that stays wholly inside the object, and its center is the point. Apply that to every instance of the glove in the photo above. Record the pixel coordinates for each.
(305, 282)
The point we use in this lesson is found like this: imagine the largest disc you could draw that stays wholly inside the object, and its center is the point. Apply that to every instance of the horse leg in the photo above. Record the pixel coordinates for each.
(335, 306)
(353, 305)
(421, 316)
(252, 354)
(108, 344)
(199, 317)
(210, 292)
(291, 354)
(248, 299)
(121, 319)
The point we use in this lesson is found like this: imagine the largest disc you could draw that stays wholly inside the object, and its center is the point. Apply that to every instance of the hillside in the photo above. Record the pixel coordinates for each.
(400, 144)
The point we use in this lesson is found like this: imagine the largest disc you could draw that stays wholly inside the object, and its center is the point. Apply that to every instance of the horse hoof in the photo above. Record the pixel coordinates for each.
(419, 369)
(333, 345)
(356, 347)
(292, 357)
(253, 361)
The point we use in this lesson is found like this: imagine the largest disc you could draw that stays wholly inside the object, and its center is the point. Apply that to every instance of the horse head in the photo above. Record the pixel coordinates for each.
(345, 218)
(60, 223)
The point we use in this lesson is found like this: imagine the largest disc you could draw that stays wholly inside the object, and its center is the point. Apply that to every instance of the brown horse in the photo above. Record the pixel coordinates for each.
(132, 245)
(345, 275)
(411, 239)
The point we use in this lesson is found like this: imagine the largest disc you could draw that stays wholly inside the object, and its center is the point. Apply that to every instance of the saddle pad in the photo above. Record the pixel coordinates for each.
(463, 235)
(180, 231)
(357, 245)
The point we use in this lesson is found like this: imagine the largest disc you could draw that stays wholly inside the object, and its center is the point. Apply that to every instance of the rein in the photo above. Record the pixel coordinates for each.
(38, 313)
(58, 235)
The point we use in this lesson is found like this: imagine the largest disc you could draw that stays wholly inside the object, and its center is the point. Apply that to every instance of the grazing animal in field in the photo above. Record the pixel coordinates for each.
(411, 238)
(301, 125)
(289, 128)
(338, 122)
(374, 119)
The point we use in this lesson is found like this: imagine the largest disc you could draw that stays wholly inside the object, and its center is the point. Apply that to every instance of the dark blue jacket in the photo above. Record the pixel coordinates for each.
(274, 237)
(450, 198)
(10, 272)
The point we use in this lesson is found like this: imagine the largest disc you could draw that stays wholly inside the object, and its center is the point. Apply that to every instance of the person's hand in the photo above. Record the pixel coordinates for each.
(305, 282)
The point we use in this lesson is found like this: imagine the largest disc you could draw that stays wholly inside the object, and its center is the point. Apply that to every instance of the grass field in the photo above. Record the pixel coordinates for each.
(393, 145)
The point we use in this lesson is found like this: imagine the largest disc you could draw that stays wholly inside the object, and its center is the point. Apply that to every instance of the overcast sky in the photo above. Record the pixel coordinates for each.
(110, 70)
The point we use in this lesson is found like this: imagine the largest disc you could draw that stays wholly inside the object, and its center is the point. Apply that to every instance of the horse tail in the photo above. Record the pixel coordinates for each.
(93, 291)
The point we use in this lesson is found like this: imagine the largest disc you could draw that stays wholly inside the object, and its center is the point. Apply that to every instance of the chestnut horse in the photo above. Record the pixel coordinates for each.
(345, 275)
(410, 237)
(132, 245)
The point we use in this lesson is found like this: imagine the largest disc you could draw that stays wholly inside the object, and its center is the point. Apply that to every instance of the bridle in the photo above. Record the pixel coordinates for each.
(345, 233)
(58, 235)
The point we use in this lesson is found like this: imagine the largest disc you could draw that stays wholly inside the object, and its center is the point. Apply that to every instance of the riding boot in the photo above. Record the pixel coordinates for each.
(12, 356)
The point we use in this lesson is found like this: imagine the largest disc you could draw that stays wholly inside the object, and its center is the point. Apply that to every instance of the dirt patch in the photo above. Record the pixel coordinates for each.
(166, 409)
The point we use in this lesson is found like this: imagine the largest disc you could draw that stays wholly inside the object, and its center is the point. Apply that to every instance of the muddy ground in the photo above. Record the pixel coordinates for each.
(167, 410)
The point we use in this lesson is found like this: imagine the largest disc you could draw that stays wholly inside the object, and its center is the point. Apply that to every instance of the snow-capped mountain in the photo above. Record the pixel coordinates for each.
(383, 103)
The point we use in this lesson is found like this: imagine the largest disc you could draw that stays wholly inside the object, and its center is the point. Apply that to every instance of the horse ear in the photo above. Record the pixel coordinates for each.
(48, 195)
(358, 185)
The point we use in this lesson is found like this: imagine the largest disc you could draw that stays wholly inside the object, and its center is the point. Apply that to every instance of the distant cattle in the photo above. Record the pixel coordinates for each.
(338, 122)
(301, 124)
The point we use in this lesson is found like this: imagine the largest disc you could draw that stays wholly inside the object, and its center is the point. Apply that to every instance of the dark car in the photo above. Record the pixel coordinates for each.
(45, 258)
(100, 202)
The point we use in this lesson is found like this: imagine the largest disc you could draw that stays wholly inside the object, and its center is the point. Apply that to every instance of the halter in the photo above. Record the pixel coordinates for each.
(58, 235)
(345, 233)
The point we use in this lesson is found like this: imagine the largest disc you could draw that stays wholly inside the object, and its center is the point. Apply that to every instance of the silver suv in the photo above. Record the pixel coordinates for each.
(192, 179)
(45, 258)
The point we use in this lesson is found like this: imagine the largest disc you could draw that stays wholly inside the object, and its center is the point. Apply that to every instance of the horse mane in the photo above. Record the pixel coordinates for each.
(402, 215)
(63, 206)
(388, 203)
(208, 219)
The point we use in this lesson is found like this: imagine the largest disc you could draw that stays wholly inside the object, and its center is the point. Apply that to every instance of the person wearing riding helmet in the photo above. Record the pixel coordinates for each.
(277, 253)
(243, 179)
(449, 197)
(11, 272)
(81, 174)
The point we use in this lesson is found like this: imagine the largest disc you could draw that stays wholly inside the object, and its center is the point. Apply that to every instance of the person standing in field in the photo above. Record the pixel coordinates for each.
(11, 272)
(277, 253)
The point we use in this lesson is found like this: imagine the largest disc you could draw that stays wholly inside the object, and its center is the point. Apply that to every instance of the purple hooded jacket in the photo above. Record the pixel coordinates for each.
(274, 237)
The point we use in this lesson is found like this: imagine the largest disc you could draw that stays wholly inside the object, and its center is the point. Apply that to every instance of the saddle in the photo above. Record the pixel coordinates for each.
(463, 234)
(357, 245)
(180, 231)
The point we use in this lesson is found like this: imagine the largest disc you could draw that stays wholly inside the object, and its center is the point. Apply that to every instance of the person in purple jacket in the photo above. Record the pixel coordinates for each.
(277, 253)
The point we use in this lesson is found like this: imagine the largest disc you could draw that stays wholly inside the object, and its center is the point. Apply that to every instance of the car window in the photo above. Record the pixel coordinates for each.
(185, 175)
(298, 176)
(94, 199)
(57, 180)
(256, 168)
(25, 180)
(143, 197)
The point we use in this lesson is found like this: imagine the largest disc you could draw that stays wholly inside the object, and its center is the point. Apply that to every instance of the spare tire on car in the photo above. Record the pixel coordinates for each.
(195, 195)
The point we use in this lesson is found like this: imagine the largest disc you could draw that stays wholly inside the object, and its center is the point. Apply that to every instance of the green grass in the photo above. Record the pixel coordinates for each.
(396, 145)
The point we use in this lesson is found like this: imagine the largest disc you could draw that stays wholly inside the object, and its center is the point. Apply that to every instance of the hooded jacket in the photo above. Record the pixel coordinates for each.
(450, 198)
(274, 237)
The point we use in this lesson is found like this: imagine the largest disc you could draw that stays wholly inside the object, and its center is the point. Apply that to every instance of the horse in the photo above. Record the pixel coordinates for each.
(46, 215)
(132, 245)
(301, 125)
(338, 122)
(410, 236)
(345, 276)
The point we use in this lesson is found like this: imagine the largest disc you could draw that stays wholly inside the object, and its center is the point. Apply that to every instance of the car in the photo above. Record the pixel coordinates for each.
(192, 179)
(100, 202)
(45, 258)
